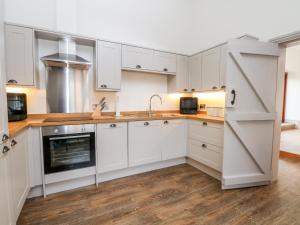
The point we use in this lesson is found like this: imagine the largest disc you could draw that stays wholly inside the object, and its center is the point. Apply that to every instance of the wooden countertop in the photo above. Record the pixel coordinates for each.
(17, 127)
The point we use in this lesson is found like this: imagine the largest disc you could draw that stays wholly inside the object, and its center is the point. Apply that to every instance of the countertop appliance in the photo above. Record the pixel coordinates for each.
(188, 105)
(67, 86)
(68, 147)
(16, 106)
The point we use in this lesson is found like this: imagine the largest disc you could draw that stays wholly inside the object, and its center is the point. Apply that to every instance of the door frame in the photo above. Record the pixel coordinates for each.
(283, 42)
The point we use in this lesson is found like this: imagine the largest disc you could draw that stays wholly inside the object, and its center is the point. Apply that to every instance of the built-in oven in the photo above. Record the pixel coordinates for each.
(68, 147)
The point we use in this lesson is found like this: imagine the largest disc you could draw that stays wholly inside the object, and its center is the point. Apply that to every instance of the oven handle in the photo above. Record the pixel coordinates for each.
(69, 137)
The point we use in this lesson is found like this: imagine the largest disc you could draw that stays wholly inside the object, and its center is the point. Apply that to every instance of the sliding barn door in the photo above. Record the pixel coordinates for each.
(251, 77)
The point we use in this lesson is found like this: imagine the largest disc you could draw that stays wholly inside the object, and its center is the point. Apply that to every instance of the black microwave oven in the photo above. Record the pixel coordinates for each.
(16, 106)
(188, 105)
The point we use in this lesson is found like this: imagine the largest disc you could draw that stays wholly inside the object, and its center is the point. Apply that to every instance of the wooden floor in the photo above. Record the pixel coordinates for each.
(176, 195)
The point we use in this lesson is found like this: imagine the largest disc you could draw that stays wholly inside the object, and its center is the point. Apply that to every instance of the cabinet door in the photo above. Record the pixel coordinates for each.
(112, 147)
(19, 173)
(145, 140)
(19, 55)
(109, 65)
(211, 69)
(223, 62)
(195, 78)
(137, 58)
(174, 139)
(164, 62)
(5, 203)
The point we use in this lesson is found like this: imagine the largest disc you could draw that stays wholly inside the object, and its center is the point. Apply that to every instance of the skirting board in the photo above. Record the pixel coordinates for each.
(89, 180)
(213, 173)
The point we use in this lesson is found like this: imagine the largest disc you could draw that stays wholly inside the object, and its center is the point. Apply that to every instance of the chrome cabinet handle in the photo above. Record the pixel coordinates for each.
(113, 125)
(138, 66)
(13, 143)
(5, 137)
(165, 70)
(204, 123)
(204, 146)
(234, 95)
(12, 81)
(104, 86)
(146, 124)
(5, 149)
(166, 122)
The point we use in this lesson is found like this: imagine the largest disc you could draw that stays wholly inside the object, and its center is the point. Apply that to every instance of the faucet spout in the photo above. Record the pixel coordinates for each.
(150, 105)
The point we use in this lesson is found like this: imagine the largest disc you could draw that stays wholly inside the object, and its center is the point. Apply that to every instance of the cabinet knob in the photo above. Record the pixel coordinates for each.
(193, 89)
(214, 88)
(204, 123)
(185, 89)
(223, 87)
(204, 146)
(166, 122)
(146, 124)
(13, 143)
(138, 66)
(5, 137)
(104, 86)
(165, 70)
(113, 125)
(5, 149)
(12, 81)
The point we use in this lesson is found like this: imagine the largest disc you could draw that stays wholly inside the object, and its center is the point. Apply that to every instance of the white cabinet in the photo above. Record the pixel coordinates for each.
(19, 55)
(112, 147)
(195, 78)
(174, 139)
(164, 62)
(205, 143)
(6, 213)
(223, 63)
(137, 58)
(211, 69)
(108, 66)
(144, 141)
(19, 172)
(179, 83)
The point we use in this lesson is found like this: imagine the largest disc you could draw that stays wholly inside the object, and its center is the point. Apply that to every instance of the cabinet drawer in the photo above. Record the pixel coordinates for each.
(205, 153)
(208, 132)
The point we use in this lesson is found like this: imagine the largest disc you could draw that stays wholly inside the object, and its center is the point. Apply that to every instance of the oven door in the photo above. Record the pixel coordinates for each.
(68, 151)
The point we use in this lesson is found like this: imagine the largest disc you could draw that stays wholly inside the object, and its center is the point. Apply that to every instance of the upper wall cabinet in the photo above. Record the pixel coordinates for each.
(137, 58)
(195, 70)
(164, 62)
(179, 83)
(19, 55)
(211, 69)
(108, 66)
(223, 63)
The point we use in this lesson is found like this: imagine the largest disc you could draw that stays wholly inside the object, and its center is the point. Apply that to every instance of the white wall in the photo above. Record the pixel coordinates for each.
(216, 21)
(293, 84)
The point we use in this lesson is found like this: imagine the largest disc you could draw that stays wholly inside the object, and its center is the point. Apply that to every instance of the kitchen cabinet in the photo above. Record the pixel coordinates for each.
(19, 171)
(164, 62)
(136, 58)
(144, 141)
(108, 66)
(19, 42)
(179, 83)
(205, 143)
(195, 71)
(223, 63)
(174, 139)
(211, 69)
(112, 147)
(6, 213)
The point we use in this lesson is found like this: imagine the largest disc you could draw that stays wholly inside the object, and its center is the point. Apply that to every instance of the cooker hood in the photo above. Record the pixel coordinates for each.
(66, 57)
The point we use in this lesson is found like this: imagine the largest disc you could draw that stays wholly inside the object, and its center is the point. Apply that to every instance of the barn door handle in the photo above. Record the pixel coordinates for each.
(234, 94)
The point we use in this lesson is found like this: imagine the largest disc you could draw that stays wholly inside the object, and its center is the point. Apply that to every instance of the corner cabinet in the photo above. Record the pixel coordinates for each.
(112, 147)
(19, 42)
(108, 66)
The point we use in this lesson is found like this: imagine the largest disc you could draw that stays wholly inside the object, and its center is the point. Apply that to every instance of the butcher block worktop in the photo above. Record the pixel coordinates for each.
(85, 118)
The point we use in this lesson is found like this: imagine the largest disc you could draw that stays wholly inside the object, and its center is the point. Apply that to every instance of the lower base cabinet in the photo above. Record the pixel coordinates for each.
(112, 147)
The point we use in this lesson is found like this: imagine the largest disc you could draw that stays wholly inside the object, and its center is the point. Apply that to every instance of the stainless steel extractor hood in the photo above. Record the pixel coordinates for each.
(67, 81)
